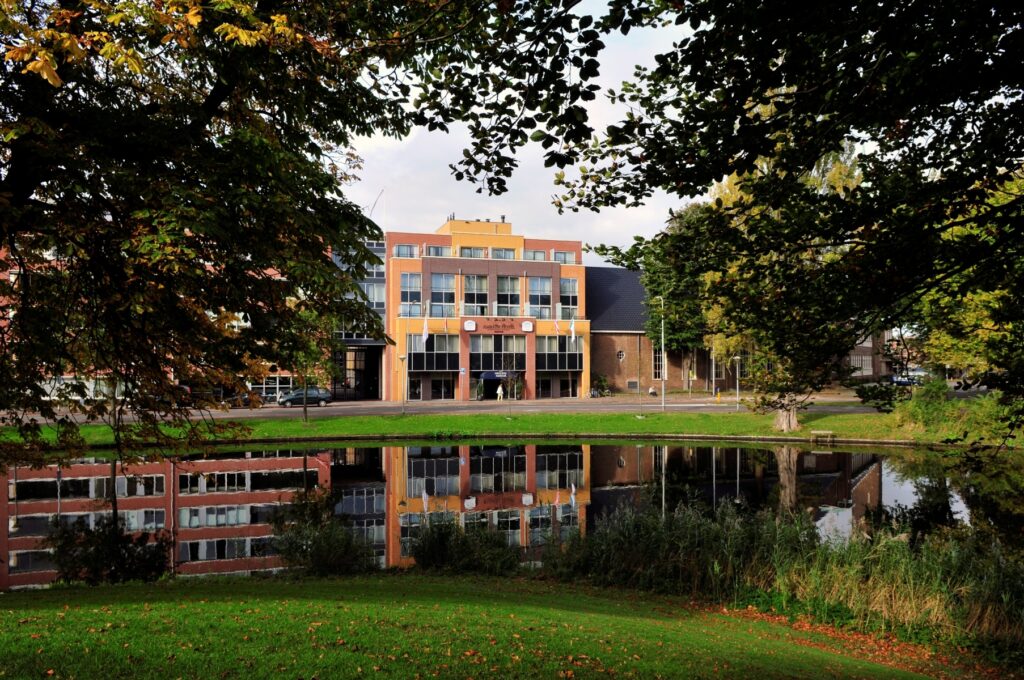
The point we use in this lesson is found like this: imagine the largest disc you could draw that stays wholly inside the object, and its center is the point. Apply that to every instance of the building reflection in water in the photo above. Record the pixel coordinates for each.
(219, 508)
(837, 488)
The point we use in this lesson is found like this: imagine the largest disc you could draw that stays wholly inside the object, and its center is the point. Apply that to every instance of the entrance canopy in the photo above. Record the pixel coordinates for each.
(498, 375)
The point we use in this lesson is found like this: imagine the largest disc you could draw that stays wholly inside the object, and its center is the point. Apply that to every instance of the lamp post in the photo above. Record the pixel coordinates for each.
(663, 362)
(405, 382)
(737, 359)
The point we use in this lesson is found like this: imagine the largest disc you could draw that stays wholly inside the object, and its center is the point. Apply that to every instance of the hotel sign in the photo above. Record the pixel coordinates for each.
(499, 325)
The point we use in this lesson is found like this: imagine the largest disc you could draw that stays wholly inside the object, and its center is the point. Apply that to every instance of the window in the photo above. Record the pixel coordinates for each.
(437, 353)
(375, 271)
(496, 470)
(508, 523)
(657, 366)
(540, 525)
(439, 251)
(497, 352)
(405, 250)
(508, 296)
(565, 257)
(442, 295)
(414, 388)
(374, 295)
(540, 297)
(503, 253)
(442, 387)
(271, 386)
(472, 252)
(535, 255)
(152, 519)
(474, 295)
(559, 353)
(362, 501)
(861, 364)
(436, 476)
(569, 297)
(412, 295)
(558, 468)
(410, 531)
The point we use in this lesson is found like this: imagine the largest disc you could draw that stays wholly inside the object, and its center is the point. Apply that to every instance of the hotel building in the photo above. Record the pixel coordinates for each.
(472, 307)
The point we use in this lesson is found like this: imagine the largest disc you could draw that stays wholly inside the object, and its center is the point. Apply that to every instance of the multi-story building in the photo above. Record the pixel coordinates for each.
(218, 510)
(472, 307)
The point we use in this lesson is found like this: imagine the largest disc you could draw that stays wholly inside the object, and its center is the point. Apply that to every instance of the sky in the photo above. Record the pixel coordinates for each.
(412, 186)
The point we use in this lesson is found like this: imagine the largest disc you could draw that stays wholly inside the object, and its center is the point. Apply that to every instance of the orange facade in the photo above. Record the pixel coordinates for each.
(502, 309)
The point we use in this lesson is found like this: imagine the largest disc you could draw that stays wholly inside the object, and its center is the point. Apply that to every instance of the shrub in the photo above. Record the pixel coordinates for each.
(882, 397)
(443, 545)
(309, 536)
(105, 553)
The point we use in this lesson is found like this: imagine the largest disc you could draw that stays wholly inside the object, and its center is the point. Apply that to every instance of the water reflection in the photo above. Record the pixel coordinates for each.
(218, 508)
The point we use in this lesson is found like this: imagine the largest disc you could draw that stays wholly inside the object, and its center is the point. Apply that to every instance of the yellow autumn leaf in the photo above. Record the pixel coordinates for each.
(194, 16)
(44, 66)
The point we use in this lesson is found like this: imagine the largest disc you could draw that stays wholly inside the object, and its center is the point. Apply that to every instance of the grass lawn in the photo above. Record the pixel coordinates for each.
(410, 625)
(432, 426)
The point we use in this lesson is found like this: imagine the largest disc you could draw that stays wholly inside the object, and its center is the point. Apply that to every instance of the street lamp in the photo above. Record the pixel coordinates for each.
(737, 360)
(405, 382)
(663, 362)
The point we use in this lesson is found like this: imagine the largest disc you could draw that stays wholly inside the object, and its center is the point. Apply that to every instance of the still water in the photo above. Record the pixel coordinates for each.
(218, 507)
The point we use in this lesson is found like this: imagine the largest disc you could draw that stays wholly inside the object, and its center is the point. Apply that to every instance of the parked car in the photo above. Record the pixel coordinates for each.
(915, 376)
(312, 395)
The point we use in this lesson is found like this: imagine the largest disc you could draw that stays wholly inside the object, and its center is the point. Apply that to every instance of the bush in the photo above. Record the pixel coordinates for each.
(882, 397)
(443, 545)
(309, 536)
(983, 417)
(105, 553)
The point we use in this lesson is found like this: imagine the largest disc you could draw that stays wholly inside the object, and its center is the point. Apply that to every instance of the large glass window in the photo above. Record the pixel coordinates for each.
(565, 257)
(436, 353)
(559, 353)
(535, 255)
(657, 365)
(374, 295)
(466, 251)
(503, 253)
(474, 295)
(412, 295)
(497, 353)
(568, 290)
(439, 251)
(442, 295)
(508, 296)
(540, 297)
(405, 250)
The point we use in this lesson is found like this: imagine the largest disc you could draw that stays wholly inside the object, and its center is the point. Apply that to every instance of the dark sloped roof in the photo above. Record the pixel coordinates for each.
(615, 300)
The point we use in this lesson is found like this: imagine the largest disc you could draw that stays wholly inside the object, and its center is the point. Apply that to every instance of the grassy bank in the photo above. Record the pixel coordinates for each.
(409, 626)
(432, 426)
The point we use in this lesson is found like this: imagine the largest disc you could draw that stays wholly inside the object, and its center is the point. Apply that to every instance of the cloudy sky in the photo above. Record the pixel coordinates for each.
(419, 190)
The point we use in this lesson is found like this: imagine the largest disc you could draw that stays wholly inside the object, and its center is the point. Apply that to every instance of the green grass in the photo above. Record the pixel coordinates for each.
(844, 425)
(402, 626)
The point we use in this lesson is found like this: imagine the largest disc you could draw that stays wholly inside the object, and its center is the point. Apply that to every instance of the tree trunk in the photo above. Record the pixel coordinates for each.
(786, 420)
(786, 458)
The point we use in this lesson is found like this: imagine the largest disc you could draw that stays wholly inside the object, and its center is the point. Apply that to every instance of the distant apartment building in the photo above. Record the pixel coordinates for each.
(474, 308)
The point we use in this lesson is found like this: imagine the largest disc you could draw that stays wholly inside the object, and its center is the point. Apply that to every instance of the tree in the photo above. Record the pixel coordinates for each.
(171, 175)
(925, 92)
